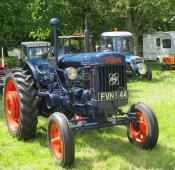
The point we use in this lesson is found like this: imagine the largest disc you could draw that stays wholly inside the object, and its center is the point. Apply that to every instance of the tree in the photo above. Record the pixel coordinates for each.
(101, 15)
(72, 14)
(14, 18)
(148, 16)
(43, 11)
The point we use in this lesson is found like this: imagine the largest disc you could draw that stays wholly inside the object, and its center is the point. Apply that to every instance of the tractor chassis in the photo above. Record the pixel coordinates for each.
(82, 124)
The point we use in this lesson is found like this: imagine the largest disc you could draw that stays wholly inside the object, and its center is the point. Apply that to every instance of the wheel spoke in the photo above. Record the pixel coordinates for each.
(12, 105)
(139, 133)
(56, 141)
(136, 134)
(142, 126)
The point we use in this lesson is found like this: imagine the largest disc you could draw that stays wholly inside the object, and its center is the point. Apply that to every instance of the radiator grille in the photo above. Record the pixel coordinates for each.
(104, 71)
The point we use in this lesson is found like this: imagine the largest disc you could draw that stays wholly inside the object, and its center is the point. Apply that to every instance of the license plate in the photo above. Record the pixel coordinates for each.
(112, 95)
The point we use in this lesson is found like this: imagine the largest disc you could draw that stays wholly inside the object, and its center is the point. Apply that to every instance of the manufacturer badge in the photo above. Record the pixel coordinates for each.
(113, 79)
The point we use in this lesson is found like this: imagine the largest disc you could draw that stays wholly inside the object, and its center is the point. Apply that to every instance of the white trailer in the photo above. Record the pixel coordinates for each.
(159, 45)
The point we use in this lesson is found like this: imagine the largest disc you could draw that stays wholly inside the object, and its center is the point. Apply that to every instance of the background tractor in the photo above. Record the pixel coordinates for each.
(122, 42)
(71, 44)
(77, 92)
(168, 62)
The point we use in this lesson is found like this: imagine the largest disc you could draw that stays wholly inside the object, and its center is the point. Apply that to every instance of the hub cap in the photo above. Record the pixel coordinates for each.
(139, 130)
(12, 105)
(56, 141)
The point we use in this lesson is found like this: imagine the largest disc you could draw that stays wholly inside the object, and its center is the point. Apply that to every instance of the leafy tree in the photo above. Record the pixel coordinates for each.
(14, 19)
(72, 14)
(147, 16)
(43, 11)
(22, 17)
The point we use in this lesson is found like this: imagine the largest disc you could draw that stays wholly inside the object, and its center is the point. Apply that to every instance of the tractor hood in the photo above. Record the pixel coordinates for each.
(130, 58)
(78, 60)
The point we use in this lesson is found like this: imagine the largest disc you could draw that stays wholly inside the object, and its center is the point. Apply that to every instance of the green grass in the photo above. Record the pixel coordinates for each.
(108, 148)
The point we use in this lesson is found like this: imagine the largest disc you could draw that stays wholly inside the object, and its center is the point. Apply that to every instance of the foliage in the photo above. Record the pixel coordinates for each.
(72, 15)
(151, 15)
(14, 19)
(146, 16)
(43, 11)
(24, 19)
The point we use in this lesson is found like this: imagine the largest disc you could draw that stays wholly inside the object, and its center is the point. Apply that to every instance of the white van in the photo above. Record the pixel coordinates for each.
(158, 45)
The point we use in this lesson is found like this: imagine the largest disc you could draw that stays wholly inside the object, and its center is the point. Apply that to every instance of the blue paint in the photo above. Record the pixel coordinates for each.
(129, 58)
(89, 58)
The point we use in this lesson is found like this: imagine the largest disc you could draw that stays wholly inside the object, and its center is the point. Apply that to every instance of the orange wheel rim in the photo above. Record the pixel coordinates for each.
(56, 141)
(140, 133)
(12, 105)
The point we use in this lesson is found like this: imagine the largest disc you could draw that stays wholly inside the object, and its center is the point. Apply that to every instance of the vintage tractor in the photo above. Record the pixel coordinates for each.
(168, 62)
(122, 42)
(77, 92)
(71, 44)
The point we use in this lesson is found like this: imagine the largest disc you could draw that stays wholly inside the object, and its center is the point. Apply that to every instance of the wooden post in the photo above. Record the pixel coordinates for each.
(86, 38)
(2, 49)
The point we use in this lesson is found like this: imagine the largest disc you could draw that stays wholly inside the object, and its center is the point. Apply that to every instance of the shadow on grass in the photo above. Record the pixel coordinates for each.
(160, 157)
(41, 136)
(112, 142)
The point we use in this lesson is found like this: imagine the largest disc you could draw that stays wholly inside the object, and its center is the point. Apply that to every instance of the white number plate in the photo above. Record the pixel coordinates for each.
(112, 95)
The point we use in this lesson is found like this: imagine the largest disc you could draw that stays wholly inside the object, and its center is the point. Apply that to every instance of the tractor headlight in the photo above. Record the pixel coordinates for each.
(71, 73)
(142, 69)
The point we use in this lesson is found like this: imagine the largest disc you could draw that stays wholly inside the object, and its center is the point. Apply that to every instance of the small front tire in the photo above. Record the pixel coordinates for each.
(60, 139)
(148, 75)
(165, 67)
(144, 130)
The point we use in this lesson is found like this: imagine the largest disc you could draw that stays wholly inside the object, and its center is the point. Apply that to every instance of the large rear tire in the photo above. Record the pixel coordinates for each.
(60, 139)
(144, 130)
(20, 104)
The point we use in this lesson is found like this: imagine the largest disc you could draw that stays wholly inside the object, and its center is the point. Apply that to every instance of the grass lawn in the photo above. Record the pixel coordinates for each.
(108, 148)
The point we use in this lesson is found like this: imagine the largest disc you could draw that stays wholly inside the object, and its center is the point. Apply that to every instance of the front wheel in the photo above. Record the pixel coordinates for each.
(165, 67)
(148, 74)
(60, 139)
(143, 131)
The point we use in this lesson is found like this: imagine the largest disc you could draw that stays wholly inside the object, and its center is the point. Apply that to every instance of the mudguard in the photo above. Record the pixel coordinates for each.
(32, 69)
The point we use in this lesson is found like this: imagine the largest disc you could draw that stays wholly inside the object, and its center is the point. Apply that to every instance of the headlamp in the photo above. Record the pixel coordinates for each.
(71, 73)
(142, 69)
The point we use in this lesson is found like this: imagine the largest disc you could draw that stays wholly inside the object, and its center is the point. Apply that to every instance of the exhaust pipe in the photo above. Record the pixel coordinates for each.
(86, 38)
(54, 23)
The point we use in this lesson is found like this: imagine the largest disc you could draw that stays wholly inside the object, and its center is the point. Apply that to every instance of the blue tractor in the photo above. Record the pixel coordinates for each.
(122, 42)
(76, 92)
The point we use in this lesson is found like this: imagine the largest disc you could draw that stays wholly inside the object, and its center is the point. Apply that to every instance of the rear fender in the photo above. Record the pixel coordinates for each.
(29, 66)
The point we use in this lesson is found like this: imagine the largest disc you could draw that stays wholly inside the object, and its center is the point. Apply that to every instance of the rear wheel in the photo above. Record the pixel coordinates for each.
(60, 139)
(20, 105)
(144, 130)
(165, 67)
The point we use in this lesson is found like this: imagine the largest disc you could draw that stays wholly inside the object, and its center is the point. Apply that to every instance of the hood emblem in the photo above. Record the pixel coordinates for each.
(113, 79)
